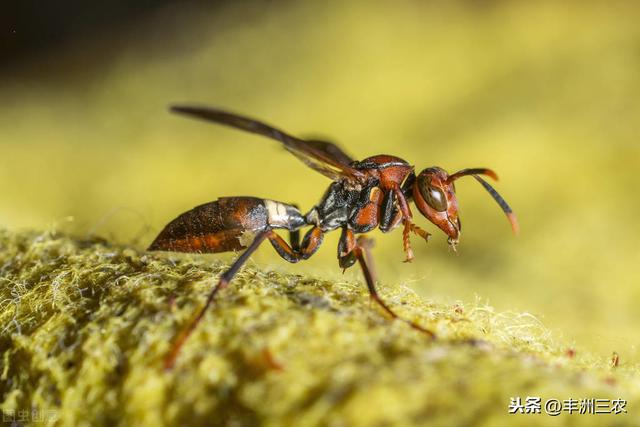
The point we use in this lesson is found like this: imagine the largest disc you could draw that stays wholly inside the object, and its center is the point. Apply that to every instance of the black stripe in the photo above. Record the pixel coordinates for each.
(497, 197)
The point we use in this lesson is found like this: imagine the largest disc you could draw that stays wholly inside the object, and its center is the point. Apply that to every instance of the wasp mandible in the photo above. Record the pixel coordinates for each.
(374, 192)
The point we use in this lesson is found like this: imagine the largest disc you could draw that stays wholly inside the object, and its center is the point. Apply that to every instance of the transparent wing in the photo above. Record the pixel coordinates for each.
(331, 150)
(324, 157)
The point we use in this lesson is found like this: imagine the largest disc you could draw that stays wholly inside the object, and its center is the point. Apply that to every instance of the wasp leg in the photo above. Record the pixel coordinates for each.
(409, 226)
(294, 235)
(222, 283)
(294, 240)
(390, 215)
(296, 251)
(346, 246)
(363, 255)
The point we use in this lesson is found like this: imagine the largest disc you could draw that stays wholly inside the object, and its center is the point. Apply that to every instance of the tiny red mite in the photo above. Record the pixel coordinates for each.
(374, 192)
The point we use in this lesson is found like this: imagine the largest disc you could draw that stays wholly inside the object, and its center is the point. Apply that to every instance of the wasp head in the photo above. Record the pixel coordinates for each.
(434, 194)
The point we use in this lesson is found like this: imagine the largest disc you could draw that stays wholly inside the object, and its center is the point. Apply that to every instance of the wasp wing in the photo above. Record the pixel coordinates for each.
(331, 150)
(324, 157)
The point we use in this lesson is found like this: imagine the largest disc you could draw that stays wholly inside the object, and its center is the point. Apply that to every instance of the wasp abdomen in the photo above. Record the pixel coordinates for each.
(228, 224)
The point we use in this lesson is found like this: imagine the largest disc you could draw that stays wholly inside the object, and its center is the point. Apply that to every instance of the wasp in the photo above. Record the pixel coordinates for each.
(365, 194)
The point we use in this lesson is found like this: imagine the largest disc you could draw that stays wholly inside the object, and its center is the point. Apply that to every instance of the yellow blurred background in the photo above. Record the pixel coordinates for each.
(545, 93)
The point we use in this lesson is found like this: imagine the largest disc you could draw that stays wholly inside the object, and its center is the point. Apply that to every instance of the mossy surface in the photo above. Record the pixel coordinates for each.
(86, 325)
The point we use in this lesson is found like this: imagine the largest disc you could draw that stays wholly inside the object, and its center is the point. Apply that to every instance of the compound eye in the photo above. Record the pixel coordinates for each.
(434, 197)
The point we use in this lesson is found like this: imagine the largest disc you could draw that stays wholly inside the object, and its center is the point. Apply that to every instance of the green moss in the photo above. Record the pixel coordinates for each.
(86, 324)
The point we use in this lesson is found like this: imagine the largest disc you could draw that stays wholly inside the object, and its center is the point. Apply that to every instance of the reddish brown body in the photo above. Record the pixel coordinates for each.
(228, 224)
(213, 227)
(368, 194)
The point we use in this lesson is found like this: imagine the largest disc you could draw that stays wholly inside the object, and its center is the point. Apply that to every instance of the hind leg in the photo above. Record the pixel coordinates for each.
(233, 223)
(310, 245)
(222, 283)
(295, 251)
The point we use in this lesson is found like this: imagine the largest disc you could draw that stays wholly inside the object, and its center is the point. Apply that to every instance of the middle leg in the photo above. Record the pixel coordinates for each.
(362, 254)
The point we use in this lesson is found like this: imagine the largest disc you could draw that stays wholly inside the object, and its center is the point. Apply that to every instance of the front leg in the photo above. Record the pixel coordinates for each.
(409, 226)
